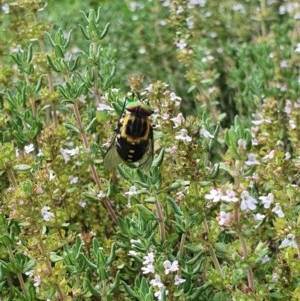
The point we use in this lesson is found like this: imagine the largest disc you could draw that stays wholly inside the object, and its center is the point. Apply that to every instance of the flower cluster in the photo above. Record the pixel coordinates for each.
(247, 202)
(156, 282)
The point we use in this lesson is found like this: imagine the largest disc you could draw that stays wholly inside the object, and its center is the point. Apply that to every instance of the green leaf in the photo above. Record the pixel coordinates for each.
(71, 127)
(29, 53)
(147, 214)
(90, 288)
(55, 258)
(129, 290)
(115, 286)
(39, 84)
(158, 160)
(105, 31)
(22, 167)
(175, 206)
(112, 255)
(76, 64)
(87, 262)
(53, 65)
(91, 124)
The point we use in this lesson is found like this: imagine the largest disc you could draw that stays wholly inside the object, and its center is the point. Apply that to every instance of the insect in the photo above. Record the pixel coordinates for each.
(133, 140)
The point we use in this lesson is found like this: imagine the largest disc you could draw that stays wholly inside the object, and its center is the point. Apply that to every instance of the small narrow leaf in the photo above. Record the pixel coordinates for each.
(105, 31)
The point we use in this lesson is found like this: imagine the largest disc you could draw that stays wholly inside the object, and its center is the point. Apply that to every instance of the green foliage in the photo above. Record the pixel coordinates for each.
(216, 217)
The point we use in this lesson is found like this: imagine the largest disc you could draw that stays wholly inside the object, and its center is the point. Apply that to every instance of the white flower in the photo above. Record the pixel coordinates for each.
(165, 116)
(132, 191)
(277, 210)
(162, 22)
(170, 267)
(267, 200)
(149, 258)
(248, 202)
(36, 281)
(270, 155)
(104, 107)
(193, 3)
(46, 214)
(265, 259)
(148, 269)
(183, 136)
(251, 160)
(135, 241)
(67, 153)
(287, 156)
(283, 64)
(133, 253)
(181, 44)
(174, 97)
(292, 124)
(148, 263)
(238, 7)
(178, 280)
(101, 195)
(229, 197)
(288, 107)
(242, 143)
(179, 10)
(275, 277)
(73, 180)
(156, 282)
(261, 121)
(178, 120)
(74, 151)
(173, 150)
(17, 48)
(5, 8)
(289, 241)
(259, 217)
(214, 195)
(159, 294)
(190, 22)
(83, 204)
(206, 134)
(29, 273)
(29, 148)
(224, 218)
(142, 50)
(51, 175)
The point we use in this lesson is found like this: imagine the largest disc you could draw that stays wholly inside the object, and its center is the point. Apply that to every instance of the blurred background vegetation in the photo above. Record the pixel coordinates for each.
(231, 61)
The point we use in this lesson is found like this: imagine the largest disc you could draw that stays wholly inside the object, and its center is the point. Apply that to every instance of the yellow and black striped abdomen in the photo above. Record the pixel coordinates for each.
(134, 137)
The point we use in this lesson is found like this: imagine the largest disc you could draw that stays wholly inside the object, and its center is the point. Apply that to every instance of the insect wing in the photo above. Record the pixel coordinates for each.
(146, 162)
(112, 158)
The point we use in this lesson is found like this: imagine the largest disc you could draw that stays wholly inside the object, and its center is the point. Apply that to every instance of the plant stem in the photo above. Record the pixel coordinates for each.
(245, 255)
(236, 218)
(212, 251)
(49, 268)
(19, 275)
(12, 177)
(92, 167)
(161, 222)
(182, 242)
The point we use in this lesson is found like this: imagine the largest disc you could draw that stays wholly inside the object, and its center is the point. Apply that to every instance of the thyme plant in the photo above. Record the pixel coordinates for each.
(217, 215)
